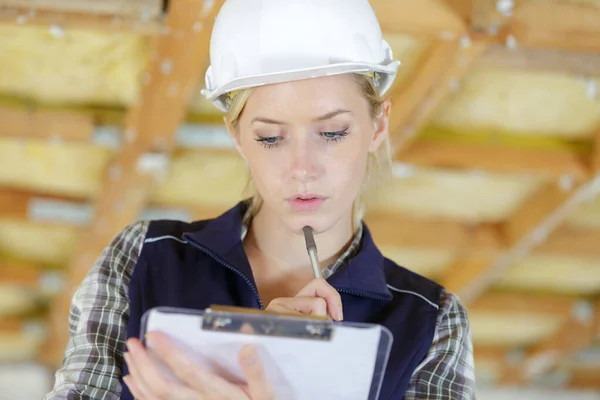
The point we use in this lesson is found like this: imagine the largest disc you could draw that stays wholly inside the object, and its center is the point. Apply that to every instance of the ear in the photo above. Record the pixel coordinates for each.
(235, 136)
(382, 124)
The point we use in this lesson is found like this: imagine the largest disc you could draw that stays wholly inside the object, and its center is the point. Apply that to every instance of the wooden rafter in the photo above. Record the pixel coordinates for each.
(557, 25)
(488, 157)
(60, 20)
(540, 60)
(443, 66)
(389, 229)
(20, 274)
(133, 8)
(171, 80)
(577, 333)
(528, 228)
(425, 18)
(46, 124)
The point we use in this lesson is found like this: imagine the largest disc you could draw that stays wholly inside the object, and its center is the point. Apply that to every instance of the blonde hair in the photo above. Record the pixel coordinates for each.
(378, 163)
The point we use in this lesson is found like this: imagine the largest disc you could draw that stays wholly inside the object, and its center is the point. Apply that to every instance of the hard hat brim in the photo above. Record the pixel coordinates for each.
(387, 70)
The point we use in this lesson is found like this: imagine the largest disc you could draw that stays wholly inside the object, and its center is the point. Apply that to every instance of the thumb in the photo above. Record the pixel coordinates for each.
(257, 387)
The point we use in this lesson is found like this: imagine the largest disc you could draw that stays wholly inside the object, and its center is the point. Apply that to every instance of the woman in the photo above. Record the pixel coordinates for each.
(301, 84)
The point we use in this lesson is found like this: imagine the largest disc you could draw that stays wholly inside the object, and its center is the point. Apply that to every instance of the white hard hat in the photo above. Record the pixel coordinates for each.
(259, 42)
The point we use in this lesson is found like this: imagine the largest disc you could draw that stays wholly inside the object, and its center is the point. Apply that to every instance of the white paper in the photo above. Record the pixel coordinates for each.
(297, 369)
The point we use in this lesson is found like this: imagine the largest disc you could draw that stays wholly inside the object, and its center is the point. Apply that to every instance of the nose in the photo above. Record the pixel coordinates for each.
(303, 167)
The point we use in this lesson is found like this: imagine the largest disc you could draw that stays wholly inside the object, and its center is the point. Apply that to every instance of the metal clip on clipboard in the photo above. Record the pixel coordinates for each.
(252, 321)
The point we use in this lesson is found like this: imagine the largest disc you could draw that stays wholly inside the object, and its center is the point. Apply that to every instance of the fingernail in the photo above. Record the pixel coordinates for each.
(340, 314)
(249, 355)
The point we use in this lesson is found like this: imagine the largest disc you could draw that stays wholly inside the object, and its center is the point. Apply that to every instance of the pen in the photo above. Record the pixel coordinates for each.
(311, 247)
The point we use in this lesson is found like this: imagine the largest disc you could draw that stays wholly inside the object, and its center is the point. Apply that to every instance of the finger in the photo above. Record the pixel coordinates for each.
(135, 381)
(257, 387)
(303, 305)
(133, 388)
(143, 370)
(202, 381)
(321, 288)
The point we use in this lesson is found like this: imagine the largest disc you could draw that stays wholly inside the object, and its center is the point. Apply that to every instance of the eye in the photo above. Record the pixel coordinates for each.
(335, 136)
(268, 142)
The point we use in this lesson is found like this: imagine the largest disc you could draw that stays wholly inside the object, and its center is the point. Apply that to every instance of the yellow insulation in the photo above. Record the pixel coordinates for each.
(72, 65)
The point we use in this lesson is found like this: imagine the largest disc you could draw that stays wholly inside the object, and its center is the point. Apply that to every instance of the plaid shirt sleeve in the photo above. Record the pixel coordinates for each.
(447, 372)
(98, 323)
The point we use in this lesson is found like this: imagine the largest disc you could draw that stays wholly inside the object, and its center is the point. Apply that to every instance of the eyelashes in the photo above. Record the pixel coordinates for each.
(270, 142)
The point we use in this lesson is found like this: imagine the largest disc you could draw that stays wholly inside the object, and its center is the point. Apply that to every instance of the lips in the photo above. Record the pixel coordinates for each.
(306, 201)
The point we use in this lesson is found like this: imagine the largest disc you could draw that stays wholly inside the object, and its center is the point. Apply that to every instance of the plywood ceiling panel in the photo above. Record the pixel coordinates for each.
(510, 329)
(426, 262)
(66, 168)
(467, 197)
(554, 273)
(47, 244)
(71, 66)
(523, 103)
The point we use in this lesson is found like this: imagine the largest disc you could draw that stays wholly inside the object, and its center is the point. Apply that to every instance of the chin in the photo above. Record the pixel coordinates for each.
(319, 221)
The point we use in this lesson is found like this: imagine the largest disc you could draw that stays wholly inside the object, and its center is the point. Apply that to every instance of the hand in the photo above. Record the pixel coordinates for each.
(147, 383)
(317, 298)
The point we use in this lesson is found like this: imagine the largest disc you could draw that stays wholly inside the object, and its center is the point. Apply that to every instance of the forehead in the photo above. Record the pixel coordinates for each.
(307, 98)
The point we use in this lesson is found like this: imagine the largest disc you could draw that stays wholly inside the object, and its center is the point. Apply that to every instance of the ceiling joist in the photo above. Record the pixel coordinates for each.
(173, 74)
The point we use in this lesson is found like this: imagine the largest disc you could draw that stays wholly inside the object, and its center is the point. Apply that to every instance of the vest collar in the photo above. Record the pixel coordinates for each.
(362, 275)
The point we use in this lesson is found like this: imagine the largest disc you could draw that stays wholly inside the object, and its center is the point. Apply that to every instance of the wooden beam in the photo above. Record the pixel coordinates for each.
(46, 124)
(442, 154)
(571, 26)
(11, 325)
(20, 274)
(405, 231)
(389, 229)
(532, 212)
(540, 60)
(173, 77)
(14, 205)
(585, 378)
(59, 20)
(571, 241)
(431, 18)
(595, 159)
(577, 333)
(529, 227)
(486, 17)
(552, 305)
(131, 8)
(466, 268)
(440, 72)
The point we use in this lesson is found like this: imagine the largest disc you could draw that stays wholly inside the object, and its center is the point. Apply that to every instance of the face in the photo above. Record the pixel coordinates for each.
(306, 144)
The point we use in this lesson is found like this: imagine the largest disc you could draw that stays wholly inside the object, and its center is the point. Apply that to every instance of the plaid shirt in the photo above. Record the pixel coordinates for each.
(99, 316)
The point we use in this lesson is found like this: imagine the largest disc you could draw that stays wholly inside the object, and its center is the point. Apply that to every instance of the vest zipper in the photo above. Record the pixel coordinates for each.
(255, 291)
(229, 267)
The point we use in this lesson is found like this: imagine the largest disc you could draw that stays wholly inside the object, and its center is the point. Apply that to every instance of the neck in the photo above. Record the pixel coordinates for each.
(286, 250)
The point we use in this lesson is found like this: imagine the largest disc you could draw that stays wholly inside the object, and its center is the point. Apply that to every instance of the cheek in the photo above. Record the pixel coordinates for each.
(265, 170)
(348, 172)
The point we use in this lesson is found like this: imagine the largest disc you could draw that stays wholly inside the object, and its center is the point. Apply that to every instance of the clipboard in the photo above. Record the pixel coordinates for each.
(305, 358)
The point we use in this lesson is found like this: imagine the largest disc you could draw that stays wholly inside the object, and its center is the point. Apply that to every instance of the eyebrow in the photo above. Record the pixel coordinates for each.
(320, 118)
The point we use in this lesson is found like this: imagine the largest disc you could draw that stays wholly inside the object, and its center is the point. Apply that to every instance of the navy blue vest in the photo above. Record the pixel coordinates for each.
(195, 265)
